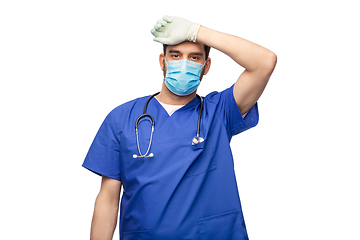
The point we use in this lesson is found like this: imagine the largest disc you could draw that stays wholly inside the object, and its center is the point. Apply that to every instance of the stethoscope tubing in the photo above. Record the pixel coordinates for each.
(195, 140)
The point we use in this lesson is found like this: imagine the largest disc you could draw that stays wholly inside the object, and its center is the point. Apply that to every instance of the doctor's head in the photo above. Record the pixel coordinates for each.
(194, 52)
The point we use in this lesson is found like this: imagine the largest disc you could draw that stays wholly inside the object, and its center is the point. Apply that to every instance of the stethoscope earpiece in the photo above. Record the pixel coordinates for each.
(136, 156)
(196, 140)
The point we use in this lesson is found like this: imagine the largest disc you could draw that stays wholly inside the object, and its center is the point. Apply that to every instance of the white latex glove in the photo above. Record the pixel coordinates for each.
(174, 30)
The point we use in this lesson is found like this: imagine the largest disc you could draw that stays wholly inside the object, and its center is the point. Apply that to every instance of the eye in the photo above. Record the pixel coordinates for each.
(175, 56)
(194, 58)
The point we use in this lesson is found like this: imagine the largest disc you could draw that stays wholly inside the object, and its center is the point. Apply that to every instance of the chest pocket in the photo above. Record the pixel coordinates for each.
(204, 163)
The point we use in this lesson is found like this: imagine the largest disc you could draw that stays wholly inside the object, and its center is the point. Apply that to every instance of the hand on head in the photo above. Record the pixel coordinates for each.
(174, 30)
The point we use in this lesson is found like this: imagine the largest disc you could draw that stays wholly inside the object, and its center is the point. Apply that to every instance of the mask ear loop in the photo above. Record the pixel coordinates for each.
(203, 69)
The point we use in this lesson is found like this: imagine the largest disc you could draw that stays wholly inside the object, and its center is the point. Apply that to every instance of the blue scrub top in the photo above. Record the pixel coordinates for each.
(185, 191)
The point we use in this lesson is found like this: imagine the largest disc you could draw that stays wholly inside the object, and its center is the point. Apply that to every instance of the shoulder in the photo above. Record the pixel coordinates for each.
(216, 97)
(224, 104)
(116, 120)
(118, 116)
(128, 106)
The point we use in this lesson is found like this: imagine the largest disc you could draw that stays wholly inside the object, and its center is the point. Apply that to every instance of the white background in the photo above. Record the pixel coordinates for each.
(64, 65)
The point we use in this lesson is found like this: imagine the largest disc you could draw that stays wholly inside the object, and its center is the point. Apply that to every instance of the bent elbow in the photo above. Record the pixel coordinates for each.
(271, 61)
(267, 63)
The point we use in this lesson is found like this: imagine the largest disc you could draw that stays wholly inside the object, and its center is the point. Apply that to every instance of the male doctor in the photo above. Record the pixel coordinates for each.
(177, 186)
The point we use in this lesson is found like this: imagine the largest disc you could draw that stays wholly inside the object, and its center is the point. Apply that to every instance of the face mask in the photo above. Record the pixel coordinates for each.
(182, 76)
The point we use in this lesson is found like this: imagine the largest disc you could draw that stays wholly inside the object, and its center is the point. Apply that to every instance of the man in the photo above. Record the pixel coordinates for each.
(176, 185)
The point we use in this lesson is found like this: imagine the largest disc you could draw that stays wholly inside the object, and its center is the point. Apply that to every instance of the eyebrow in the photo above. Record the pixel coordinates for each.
(196, 53)
(193, 53)
(174, 51)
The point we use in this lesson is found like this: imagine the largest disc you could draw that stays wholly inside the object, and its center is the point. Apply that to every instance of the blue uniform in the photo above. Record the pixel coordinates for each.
(185, 191)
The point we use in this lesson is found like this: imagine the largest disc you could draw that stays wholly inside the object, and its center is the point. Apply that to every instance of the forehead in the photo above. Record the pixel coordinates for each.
(187, 47)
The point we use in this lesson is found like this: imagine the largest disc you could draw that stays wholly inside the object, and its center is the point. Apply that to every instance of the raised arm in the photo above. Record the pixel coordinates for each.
(106, 210)
(258, 62)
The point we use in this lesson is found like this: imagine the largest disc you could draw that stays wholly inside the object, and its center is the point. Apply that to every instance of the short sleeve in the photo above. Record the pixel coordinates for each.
(103, 157)
(230, 113)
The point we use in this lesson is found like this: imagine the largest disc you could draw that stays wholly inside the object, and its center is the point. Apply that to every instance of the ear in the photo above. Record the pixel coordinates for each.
(161, 61)
(207, 65)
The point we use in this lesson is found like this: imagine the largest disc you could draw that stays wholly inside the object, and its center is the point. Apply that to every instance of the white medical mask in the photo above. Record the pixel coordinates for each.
(183, 76)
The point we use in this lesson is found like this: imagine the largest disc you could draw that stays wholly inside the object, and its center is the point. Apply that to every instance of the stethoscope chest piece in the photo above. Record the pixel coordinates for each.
(197, 140)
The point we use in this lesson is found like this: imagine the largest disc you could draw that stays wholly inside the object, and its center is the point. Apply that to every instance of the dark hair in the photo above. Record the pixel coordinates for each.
(206, 48)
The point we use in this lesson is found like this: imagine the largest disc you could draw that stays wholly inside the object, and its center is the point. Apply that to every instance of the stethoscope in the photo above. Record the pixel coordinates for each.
(196, 140)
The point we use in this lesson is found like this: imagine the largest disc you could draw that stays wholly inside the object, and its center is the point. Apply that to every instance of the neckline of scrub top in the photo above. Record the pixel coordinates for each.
(192, 103)
(179, 117)
(170, 108)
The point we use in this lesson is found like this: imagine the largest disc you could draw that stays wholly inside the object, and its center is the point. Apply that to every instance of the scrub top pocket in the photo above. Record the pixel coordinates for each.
(137, 235)
(199, 146)
(224, 226)
(204, 163)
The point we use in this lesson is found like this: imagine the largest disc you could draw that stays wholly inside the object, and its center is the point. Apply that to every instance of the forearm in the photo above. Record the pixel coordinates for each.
(104, 219)
(258, 62)
(247, 54)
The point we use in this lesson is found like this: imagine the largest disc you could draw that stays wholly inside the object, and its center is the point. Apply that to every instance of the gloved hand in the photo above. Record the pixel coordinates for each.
(174, 30)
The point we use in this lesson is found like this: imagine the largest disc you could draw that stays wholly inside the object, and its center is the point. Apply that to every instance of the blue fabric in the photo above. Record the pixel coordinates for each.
(185, 191)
